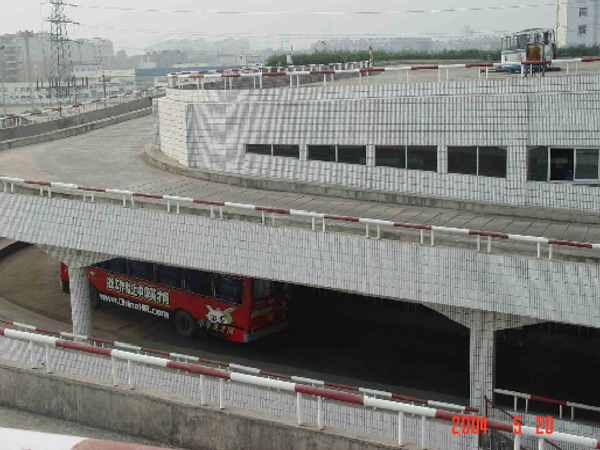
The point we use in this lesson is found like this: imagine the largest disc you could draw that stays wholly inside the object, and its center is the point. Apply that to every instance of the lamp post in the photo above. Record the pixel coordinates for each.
(2, 47)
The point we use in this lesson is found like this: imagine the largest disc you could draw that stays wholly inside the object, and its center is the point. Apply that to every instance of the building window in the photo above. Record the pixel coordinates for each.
(582, 30)
(258, 149)
(413, 157)
(563, 164)
(421, 157)
(346, 154)
(480, 161)
(537, 164)
(352, 154)
(321, 152)
(288, 151)
(583, 12)
(391, 156)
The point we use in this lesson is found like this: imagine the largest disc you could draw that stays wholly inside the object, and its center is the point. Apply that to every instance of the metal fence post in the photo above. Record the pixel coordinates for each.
(299, 409)
(48, 359)
(320, 412)
(130, 369)
(222, 393)
(114, 370)
(423, 432)
(202, 390)
(33, 362)
(400, 428)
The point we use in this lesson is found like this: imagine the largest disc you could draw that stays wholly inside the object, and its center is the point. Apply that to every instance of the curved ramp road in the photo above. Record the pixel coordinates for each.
(13, 439)
(112, 158)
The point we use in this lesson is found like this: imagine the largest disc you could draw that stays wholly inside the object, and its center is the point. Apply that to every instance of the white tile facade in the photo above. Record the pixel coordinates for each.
(514, 113)
(557, 291)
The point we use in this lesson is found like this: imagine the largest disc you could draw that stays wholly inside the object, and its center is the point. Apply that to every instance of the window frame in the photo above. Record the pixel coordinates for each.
(582, 30)
(575, 180)
(406, 147)
(272, 150)
(478, 158)
(583, 11)
(260, 154)
(336, 153)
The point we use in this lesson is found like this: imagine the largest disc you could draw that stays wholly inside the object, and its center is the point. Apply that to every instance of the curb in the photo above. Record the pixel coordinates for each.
(163, 162)
(12, 248)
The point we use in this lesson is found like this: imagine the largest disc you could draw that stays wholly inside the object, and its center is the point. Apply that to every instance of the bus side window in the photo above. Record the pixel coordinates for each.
(141, 270)
(263, 288)
(199, 283)
(229, 289)
(169, 276)
(117, 265)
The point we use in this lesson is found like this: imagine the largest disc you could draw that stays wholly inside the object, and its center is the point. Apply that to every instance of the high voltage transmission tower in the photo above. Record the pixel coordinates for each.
(62, 82)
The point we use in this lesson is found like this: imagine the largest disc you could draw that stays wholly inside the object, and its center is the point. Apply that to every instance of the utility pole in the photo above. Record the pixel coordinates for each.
(61, 64)
(2, 47)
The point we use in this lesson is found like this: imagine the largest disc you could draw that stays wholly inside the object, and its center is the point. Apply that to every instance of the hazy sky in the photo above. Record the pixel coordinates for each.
(29, 14)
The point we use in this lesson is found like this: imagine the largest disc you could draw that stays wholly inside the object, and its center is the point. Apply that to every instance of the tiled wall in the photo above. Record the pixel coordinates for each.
(514, 113)
(547, 290)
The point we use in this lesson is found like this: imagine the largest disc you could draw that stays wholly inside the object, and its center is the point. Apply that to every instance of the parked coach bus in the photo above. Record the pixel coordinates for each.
(238, 309)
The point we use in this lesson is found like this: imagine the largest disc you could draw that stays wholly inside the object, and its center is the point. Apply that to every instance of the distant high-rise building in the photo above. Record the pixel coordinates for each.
(27, 55)
(577, 23)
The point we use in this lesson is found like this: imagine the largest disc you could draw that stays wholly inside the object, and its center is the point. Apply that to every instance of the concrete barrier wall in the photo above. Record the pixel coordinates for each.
(79, 119)
(162, 417)
(74, 131)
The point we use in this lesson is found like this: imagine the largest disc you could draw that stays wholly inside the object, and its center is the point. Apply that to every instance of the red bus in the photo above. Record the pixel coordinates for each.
(235, 308)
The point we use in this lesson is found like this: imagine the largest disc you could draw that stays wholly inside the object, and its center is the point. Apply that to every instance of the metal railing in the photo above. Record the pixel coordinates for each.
(516, 442)
(318, 221)
(423, 414)
(241, 368)
(535, 398)
(16, 120)
(483, 68)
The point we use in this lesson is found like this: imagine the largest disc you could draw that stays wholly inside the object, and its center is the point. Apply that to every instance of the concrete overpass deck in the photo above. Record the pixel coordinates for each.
(114, 159)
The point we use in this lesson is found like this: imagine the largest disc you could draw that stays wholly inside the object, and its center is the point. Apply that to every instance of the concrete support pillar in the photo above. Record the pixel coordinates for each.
(81, 308)
(482, 357)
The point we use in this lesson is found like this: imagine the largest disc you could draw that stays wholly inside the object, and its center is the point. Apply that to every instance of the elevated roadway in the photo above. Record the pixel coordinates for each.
(112, 158)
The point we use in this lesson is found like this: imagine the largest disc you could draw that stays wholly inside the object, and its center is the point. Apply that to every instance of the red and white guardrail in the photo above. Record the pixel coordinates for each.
(550, 401)
(368, 70)
(242, 368)
(13, 439)
(96, 102)
(10, 182)
(425, 413)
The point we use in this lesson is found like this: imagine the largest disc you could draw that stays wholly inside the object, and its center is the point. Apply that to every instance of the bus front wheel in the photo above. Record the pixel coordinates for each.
(185, 325)
(94, 297)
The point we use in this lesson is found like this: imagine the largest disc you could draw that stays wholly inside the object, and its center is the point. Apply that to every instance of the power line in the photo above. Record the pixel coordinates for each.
(294, 35)
(319, 13)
